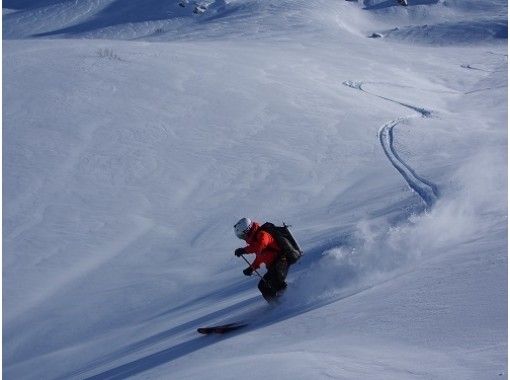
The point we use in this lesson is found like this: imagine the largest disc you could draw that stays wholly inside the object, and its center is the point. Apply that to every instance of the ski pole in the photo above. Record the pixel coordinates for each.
(258, 274)
(256, 271)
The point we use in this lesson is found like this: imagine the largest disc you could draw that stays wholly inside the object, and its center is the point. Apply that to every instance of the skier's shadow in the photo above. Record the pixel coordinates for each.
(164, 356)
(370, 5)
(179, 350)
(216, 295)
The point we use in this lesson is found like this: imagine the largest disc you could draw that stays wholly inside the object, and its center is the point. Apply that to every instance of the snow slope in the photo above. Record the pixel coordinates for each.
(137, 133)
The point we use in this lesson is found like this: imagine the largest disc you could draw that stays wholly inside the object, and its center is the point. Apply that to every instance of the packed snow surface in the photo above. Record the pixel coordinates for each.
(136, 133)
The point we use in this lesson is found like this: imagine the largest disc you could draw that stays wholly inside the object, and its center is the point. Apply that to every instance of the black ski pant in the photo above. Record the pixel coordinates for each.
(274, 280)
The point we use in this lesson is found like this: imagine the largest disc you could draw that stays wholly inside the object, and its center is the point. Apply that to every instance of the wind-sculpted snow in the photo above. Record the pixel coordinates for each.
(459, 32)
(173, 20)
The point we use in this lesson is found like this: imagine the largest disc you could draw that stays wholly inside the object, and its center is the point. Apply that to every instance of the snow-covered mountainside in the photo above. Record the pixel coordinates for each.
(136, 133)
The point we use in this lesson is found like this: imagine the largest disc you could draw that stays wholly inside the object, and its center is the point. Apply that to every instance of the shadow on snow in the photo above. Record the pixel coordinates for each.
(372, 5)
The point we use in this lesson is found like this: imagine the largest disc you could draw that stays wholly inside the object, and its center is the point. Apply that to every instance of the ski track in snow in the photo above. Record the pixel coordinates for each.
(472, 67)
(427, 190)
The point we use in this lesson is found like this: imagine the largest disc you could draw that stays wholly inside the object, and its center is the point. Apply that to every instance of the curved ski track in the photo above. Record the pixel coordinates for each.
(427, 190)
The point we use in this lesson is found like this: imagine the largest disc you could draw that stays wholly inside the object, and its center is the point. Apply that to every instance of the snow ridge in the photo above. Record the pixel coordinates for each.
(427, 190)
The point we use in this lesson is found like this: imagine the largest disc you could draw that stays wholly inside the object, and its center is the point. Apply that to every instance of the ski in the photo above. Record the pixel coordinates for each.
(221, 329)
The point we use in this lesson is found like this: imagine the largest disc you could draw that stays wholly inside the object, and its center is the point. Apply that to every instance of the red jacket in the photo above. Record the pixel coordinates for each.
(263, 245)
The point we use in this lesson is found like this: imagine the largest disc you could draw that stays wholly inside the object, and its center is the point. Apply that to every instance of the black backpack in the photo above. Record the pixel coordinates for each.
(288, 245)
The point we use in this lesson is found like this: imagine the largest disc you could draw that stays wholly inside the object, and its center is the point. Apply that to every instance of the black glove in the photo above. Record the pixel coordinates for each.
(239, 251)
(248, 271)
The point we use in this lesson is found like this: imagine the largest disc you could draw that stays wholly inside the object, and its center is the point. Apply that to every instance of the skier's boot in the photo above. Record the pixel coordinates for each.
(280, 291)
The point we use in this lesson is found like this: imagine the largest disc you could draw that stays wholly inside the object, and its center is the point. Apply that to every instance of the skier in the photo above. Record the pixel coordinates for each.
(267, 252)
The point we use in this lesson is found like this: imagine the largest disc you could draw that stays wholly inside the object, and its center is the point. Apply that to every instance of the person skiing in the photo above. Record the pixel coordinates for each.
(267, 252)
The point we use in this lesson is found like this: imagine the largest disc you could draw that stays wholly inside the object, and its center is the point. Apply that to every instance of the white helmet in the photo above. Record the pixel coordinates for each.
(242, 227)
